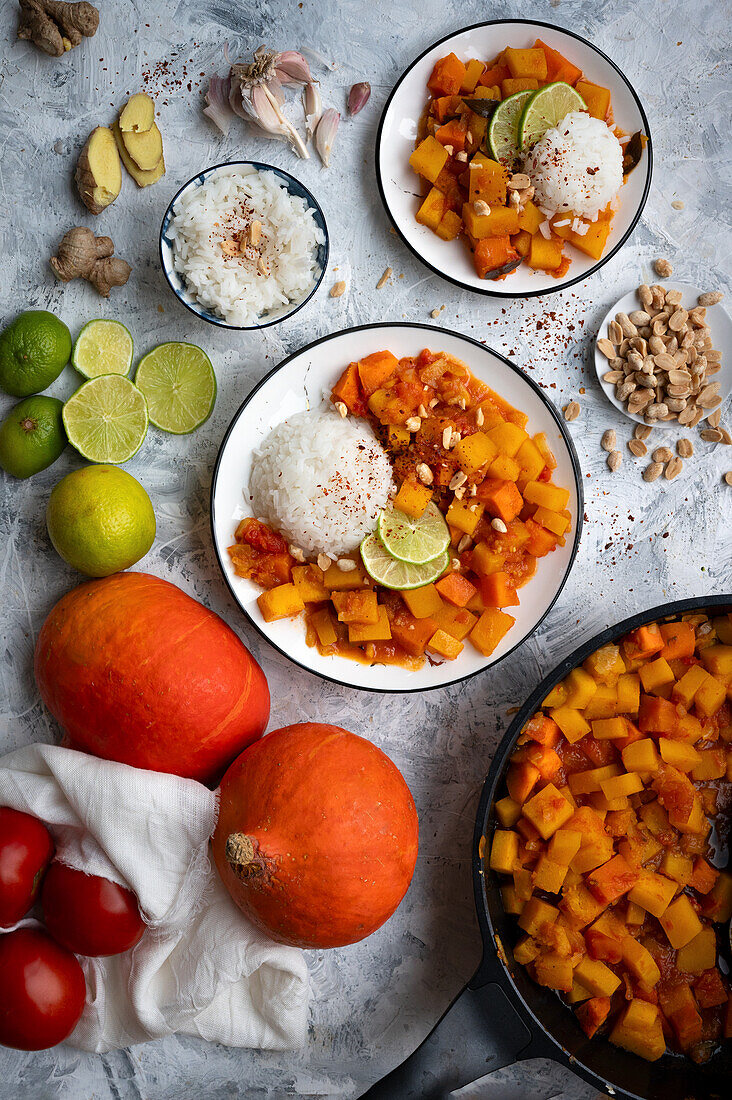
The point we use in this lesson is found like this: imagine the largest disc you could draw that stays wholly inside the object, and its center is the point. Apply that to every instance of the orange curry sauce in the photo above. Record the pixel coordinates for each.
(613, 828)
(466, 193)
(441, 427)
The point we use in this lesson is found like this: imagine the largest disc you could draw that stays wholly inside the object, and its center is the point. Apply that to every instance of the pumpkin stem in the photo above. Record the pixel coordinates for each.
(243, 856)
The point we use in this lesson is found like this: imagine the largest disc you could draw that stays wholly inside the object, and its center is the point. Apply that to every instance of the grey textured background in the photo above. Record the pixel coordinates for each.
(642, 544)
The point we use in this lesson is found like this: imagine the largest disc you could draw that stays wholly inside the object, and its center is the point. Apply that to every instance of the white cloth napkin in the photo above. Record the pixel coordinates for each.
(200, 968)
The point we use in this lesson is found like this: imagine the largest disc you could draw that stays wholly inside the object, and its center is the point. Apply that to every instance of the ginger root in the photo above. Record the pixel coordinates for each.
(98, 171)
(81, 255)
(55, 26)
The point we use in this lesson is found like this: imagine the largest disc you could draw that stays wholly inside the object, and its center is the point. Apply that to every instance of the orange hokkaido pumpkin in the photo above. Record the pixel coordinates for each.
(137, 671)
(316, 839)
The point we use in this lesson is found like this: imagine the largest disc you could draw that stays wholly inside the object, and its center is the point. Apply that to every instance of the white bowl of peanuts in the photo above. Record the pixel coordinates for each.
(663, 357)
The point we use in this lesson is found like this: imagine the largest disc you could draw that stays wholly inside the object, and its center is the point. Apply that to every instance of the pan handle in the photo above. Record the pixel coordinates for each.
(458, 1050)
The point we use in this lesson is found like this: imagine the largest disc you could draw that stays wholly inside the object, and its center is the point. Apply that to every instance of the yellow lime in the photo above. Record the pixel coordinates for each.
(100, 520)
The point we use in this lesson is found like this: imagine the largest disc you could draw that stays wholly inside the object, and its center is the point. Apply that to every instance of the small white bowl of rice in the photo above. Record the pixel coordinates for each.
(243, 245)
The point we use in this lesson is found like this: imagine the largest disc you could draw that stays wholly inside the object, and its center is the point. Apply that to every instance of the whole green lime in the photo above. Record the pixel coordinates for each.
(100, 520)
(34, 349)
(32, 436)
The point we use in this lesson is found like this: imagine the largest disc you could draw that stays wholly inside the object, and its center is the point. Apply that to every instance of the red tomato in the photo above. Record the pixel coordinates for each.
(26, 849)
(43, 990)
(88, 914)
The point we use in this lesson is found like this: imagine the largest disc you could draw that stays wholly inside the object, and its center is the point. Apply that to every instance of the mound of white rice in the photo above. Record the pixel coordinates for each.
(242, 288)
(576, 166)
(321, 482)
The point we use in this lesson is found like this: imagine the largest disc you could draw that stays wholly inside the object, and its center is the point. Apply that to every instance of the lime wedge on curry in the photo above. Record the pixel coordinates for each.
(106, 419)
(387, 570)
(545, 109)
(102, 347)
(503, 129)
(179, 386)
(414, 540)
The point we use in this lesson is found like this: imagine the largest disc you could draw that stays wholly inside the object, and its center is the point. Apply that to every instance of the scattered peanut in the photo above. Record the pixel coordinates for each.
(324, 562)
(424, 473)
(663, 268)
(684, 448)
(572, 410)
(728, 477)
(673, 469)
(608, 441)
(653, 471)
(613, 460)
(711, 435)
(661, 454)
(338, 289)
(384, 278)
(637, 447)
(710, 298)
(499, 525)
(642, 431)
(346, 565)
(341, 409)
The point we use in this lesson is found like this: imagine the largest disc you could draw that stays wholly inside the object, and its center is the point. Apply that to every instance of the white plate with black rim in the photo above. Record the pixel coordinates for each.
(719, 323)
(397, 133)
(298, 384)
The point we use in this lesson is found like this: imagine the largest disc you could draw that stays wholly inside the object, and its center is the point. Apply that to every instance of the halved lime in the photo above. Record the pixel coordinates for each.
(102, 347)
(503, 129)
(179, 385)
(414, 540)
(385, 569)
(545, 109)
(106, 419)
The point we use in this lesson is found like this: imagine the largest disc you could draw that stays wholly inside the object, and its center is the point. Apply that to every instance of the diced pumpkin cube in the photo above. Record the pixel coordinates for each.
(504, 468)
(280, 603)
(473, 452)
(680, 922)
(308, 580)
(501, 499)
(718, 660)
(371, 632)
(678, 640)
(656, 674)
(558, 67)
(359, 606)
(596, 98)
(530, 218)
(429, 158)
(709, 697)
(507, 811)
(709, 989)
(535, 915)
(579, 906)
(678, 754)
(564, 845)
(595, 976)
(464, 514)
(604, 705)
(456, 589)
(545, 253)
(324, 627)
(492, 253)
(455, 621)
(473, 70)
(504, 851)
(589, 780)
(553, 521)
(628, 693)
(593, 241)
(608, 729)
(398, 437)
(703, 876)
(335, 578)
(410, 633)
(511, 85)
(526, 62)
(653, 892)
(699, 954)
(613, 879)
(500, 223)
(453, 134)
(507, 438)
(639, 1030)
(643, 642)
(641, 756)
(640, 962)
(490, 629)
(657, 715)
(512, 903)
(580, 688)
(548, 811)
(422, 602)
(497, 590)
(542, 729)
(547, 495)
(413, 498)
(621, 786)
(570, 722)
(450, 226)
(521, 779)
(592, 1014)
(577, 993)
(447, 76)
(553, 971)
(431, 211)
(444, 644)
(686, 688)
(549, 876)
(526, 950)
(531, 461)
(677, 866)
(711, 764)
(488, 181)
(717, 905)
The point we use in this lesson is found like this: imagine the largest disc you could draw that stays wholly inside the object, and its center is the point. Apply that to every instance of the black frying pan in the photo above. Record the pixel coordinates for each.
(502, 1016)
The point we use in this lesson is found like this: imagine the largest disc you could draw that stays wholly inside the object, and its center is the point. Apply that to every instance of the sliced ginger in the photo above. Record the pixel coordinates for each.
(141, 177)
(98, 171)
(138, 114)
(145, 147)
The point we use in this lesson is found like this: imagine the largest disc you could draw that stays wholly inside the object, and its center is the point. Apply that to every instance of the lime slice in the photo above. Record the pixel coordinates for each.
(179, 386)
(102, 347)
(392, 573)
(503, 129)
(545, 109)
(106, 419)
(414, 540)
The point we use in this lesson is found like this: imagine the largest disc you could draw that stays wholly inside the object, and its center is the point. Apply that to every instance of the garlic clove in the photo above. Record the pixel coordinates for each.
(312, 106)
(358, 97)
(218, 108)
(325, 134)
(292, 68)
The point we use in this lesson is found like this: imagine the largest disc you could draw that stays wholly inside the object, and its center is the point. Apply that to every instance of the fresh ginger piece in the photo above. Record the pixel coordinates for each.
(98, 170)
(81, 255)
(55, 26)
(138, 114)
(141, 178)
(145, 148)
